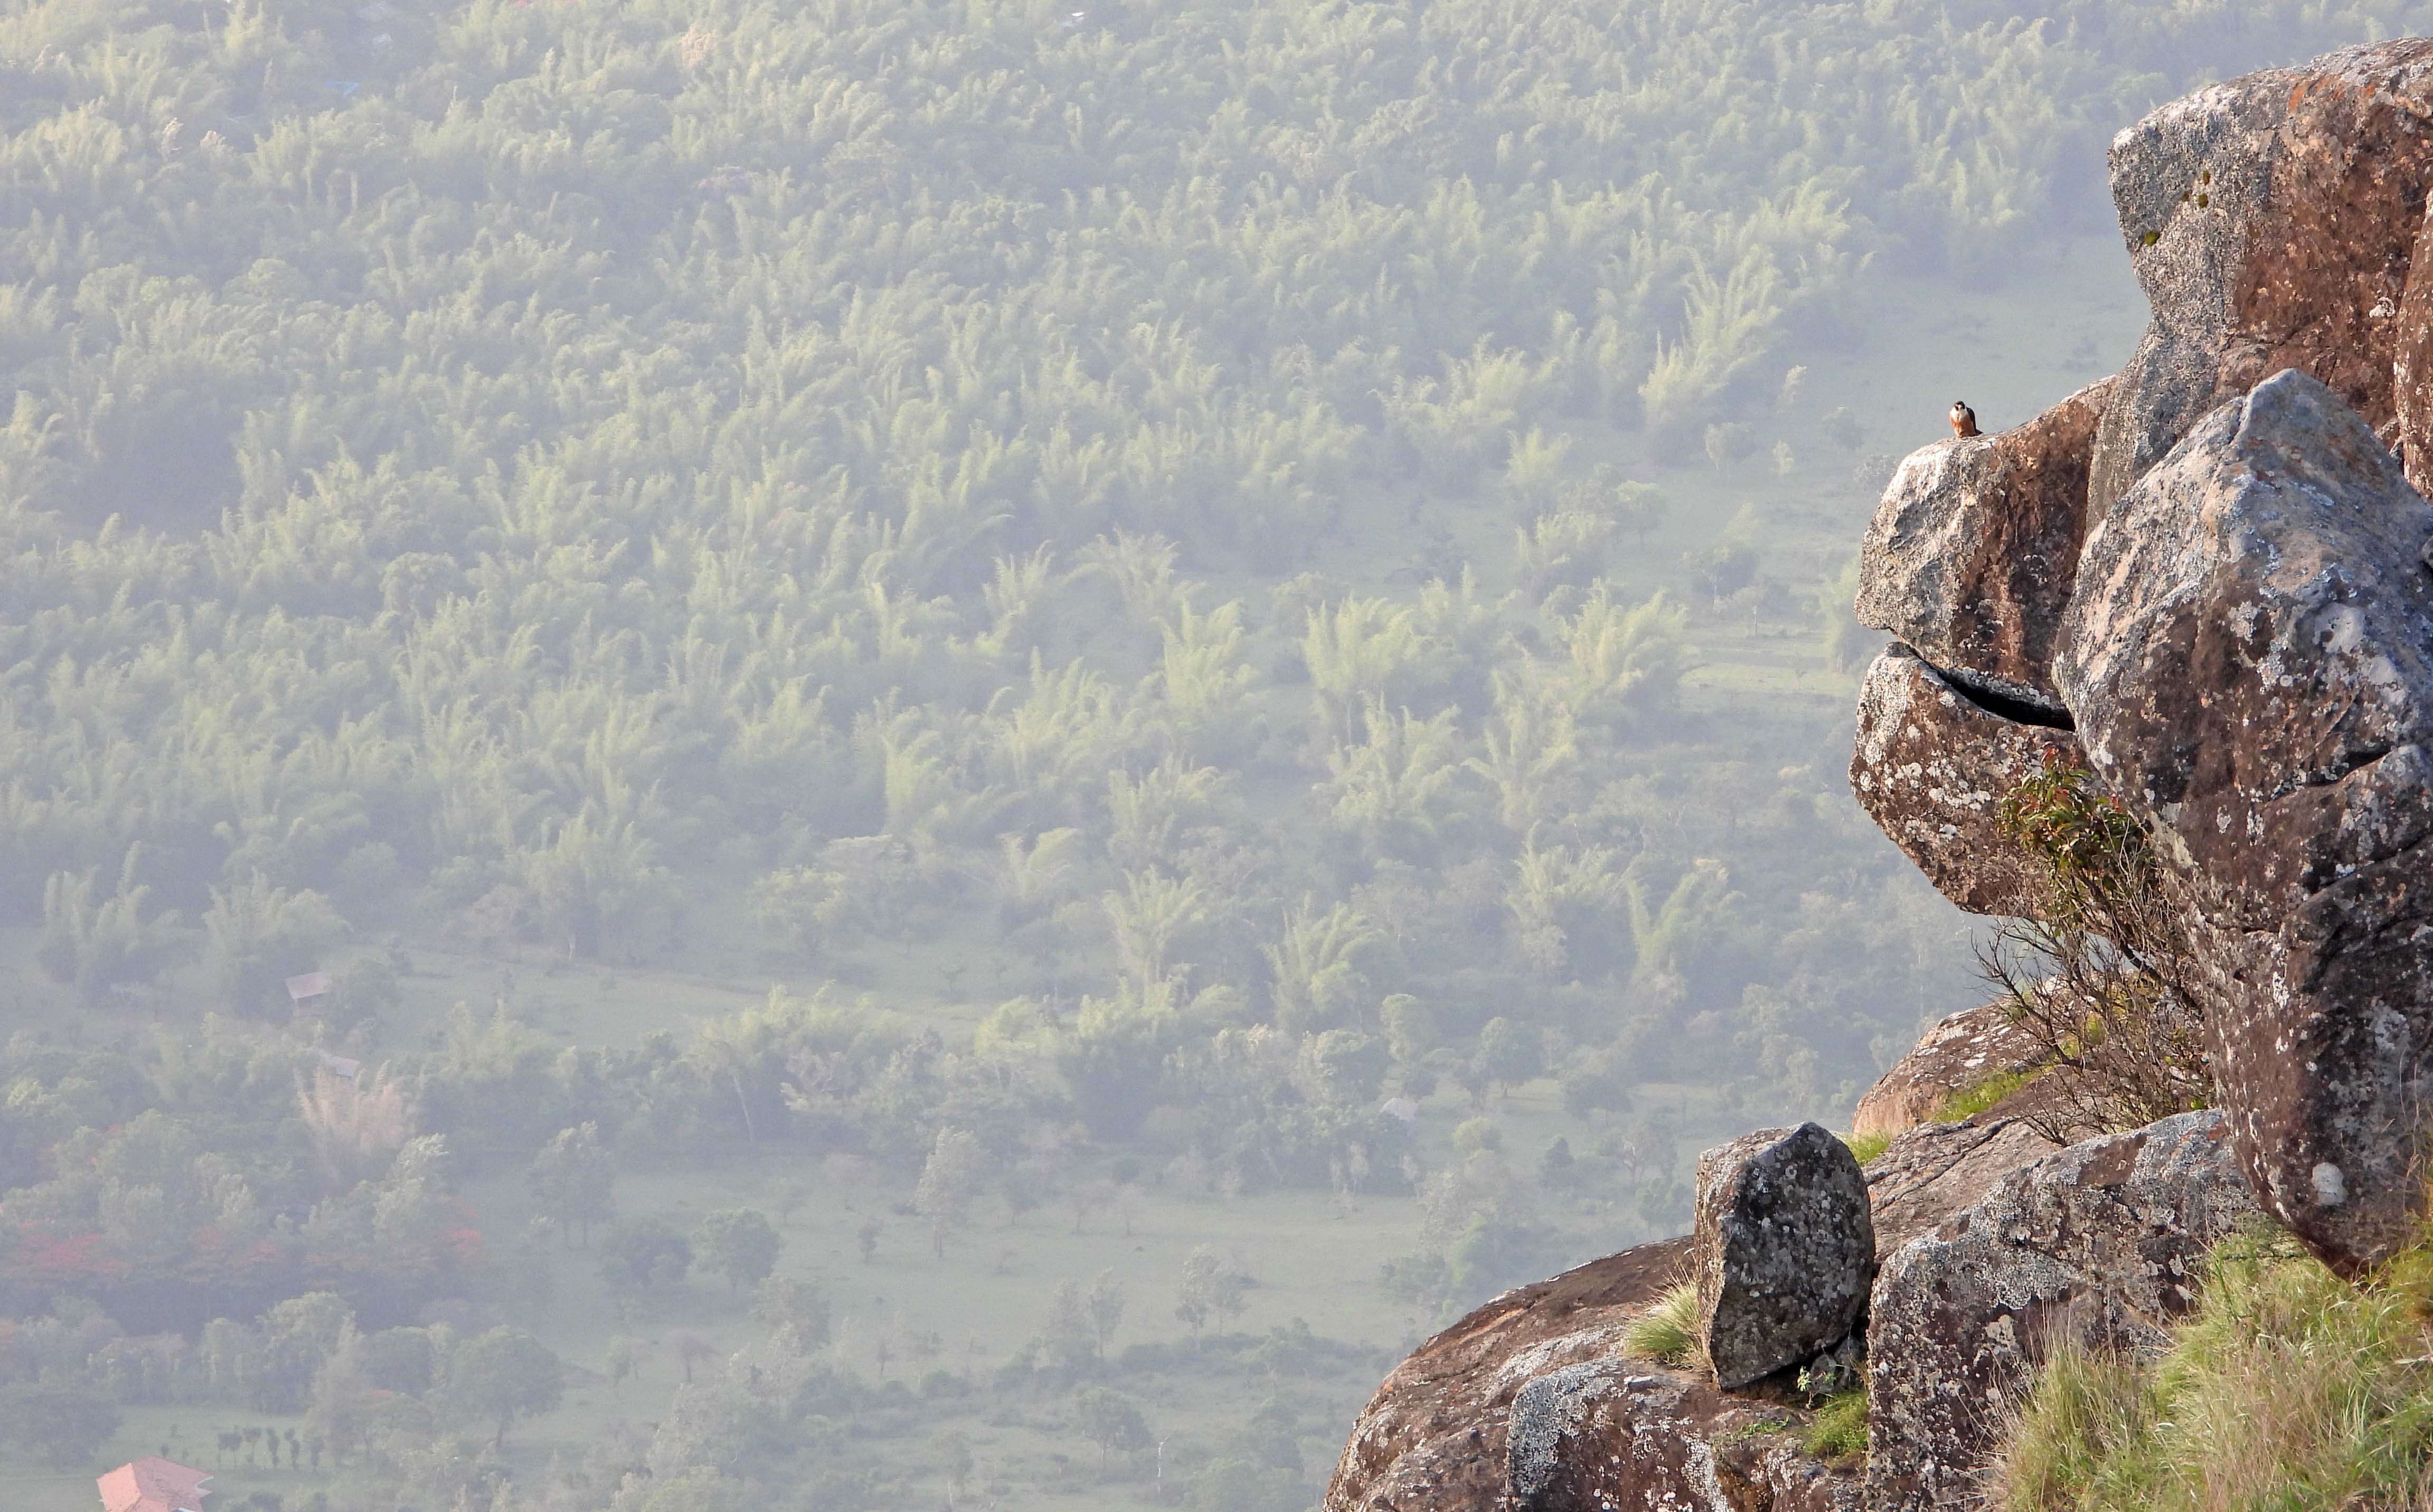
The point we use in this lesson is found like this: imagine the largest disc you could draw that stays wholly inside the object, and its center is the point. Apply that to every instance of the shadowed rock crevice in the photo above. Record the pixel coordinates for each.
(2001, 705)
(1931, 765)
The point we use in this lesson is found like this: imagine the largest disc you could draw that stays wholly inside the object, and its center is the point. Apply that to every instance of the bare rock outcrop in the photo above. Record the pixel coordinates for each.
(1528, 1402)
(1931, 766)
(2208, 581)
(1613, 1434)
(2251, 655)
(1784, 1250)
(2272, 221)
(2098, 1243)
(1934, 1171)
(1972, 551)
(1957, 1056)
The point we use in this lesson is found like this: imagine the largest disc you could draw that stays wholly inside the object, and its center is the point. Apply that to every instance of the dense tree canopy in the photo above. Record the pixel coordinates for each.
(1163, 567)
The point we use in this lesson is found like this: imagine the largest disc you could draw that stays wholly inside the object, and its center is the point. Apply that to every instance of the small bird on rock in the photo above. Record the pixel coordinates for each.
(1963, 419)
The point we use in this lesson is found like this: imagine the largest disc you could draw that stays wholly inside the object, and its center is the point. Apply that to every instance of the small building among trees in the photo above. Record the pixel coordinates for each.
(153, 1484)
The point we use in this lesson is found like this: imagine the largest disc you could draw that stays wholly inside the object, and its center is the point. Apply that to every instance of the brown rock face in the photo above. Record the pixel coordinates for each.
(2272, 221)
(2411, 365)
(1931, 766)
(2098, 1243)
(2251, 658)
(1972, 551)
(1434, 1436)
(1961, 1052)
(1528, 1403)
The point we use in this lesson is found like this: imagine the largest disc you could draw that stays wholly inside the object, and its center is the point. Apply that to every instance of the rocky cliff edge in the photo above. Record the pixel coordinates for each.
(2206, 580)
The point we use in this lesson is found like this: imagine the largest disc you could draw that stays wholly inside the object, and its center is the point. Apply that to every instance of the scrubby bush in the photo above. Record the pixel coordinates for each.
(2101, 974)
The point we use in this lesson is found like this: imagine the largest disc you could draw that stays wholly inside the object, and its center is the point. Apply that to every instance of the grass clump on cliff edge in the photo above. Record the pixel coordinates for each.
(2286, 1388)
(1979, 1095)
(1839, 1430)
(1667, 1333)
(1864, 1147)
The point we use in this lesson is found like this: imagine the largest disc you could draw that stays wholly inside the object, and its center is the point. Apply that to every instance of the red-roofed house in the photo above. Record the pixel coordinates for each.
(153, 1484)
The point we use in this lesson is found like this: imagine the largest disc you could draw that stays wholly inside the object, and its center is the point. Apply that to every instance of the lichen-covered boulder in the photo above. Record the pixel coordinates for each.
(2098, 1243)
(1960, 1054)
(1784, 1250)
(2272, 221)
(2251, 659)
(1973, 547)
(1931, 765)
(1612, 1434)
(1528, 1402)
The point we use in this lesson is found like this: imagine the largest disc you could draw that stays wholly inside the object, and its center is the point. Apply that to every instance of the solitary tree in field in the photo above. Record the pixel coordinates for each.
(794, 1310)
(619, 1362)
(952, 1447)
(1112, 1422)
(1210, 1289)
(642, 1256)
(1106, 1310)
(949, 1184)
(574, 1180)
(1067, 1333)
(503, 1375)
(739, 1244)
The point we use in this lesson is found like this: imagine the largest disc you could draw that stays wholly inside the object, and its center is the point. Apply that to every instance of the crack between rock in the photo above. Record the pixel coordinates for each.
(2001, 705)
(2363, 757)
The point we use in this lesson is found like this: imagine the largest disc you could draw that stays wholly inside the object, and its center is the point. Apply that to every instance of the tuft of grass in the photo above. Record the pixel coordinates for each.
(1979, 1095)
(1864, 1147)
(1839, 1430)
(1762, 1428)
(1667, 1333)
(2286, 1388)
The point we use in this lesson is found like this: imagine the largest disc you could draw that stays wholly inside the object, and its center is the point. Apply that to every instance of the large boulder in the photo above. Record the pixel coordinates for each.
(1973, 549)
(2250, 656)
(1931, 764)
(2098, 1243)
(1528, 1402)
(1784, 1250)
(2272, 221)
(1958, 1056)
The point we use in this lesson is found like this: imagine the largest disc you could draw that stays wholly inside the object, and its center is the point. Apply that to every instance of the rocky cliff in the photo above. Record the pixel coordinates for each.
(2208, 582)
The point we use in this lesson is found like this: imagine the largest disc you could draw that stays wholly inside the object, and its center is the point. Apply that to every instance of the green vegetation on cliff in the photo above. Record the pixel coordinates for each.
(2288, 1388)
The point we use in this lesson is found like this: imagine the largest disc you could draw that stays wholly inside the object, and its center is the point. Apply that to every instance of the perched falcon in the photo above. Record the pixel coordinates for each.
(1963, 419)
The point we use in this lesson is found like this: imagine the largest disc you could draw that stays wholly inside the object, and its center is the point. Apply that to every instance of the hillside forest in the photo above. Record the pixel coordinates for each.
(944, 753)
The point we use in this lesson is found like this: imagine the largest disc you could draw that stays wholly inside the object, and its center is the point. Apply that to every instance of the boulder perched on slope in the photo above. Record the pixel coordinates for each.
(1931, 765)
(2251, 659)
(2097, 1243)
(1971, 554)
(1529, 1403)
(1784, 1250)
